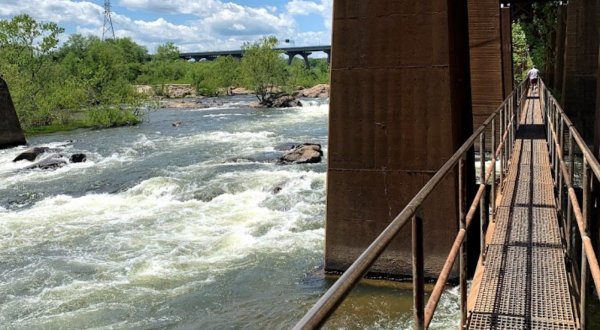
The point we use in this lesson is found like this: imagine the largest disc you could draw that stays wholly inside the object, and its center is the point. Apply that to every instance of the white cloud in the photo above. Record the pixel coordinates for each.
(323, 9)
(218, 24)
(59, 11)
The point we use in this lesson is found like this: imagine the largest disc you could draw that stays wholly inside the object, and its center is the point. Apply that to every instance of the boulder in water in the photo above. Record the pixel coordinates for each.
(48, 163)
(31, 154)
(279, 100)
(57, 161)
(287, 146)
(78, 158)
(320, 91)
(302, 154)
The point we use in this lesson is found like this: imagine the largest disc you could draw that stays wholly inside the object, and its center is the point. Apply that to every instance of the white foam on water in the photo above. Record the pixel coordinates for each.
(127, 244)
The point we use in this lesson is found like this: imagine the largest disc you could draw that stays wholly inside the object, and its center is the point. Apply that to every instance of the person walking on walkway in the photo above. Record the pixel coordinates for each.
(533, 76)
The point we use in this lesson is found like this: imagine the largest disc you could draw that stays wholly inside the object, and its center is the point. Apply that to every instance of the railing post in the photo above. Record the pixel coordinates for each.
(548, 132)
(553, 143)
(493, 192)
(561, 179)
(502, 115)
(509, 137)
(584, 264)
(568, 225)
(462, 205)
(556, 131)
(418, 272)
(482, 203)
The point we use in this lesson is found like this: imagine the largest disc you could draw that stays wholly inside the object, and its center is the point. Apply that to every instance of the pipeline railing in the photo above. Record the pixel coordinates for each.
(556, 122)
(506, 118)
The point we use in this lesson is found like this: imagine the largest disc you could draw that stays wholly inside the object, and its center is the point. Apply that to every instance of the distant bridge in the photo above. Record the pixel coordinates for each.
(291, 52)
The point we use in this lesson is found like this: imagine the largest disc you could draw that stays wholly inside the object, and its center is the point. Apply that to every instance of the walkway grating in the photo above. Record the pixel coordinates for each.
(524, 283)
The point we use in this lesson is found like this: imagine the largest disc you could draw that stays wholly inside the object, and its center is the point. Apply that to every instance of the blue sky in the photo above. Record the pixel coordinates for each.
(193, 25)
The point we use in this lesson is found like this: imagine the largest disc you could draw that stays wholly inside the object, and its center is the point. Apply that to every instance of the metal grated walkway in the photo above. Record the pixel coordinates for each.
(524, 283)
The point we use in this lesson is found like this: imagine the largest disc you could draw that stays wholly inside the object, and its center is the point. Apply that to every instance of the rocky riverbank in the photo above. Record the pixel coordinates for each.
(176, 91)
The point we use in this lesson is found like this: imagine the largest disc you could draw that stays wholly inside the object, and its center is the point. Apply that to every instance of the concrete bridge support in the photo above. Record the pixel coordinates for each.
(400, 106)
(507, 58)
(485, 39)
(11, 134)
(559, 66)
(581, 64)
(304, 55)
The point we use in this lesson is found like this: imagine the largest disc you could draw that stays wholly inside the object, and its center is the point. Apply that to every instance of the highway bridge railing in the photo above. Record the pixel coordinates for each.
(505, 118)
(576, 233)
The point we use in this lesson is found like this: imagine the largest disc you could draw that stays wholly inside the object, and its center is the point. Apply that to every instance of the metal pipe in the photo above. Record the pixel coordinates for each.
(482, 205)
(501, 147)
(584, 262)
(561, 178)
(568, 225)
(463, 251)
(493, 192)
(418, 273)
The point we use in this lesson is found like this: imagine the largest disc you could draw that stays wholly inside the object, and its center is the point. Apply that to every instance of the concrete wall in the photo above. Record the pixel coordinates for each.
(507, 58)
(559, 66)
(399, 108)
(486, 60)
(581, 64)
(11, 134)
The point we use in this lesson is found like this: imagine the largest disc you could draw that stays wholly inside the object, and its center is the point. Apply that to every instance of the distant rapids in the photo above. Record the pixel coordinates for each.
(180, 228)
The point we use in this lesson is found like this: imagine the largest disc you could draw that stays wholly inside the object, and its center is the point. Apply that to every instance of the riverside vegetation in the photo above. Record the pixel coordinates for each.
(88, 82)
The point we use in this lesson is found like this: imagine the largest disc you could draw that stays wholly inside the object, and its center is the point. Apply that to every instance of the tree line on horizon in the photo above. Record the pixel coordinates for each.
(88, 82)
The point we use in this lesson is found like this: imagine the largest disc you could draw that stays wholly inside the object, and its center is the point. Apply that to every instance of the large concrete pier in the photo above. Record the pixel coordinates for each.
(400, 106)
(11, 134)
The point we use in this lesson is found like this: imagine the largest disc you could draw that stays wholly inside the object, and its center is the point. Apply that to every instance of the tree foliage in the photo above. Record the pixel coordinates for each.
(88, 82)
(533, 38)
(86, 76)
(262, 67)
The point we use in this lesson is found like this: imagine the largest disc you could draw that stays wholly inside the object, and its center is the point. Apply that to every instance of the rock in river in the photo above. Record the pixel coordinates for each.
(304, 153)
(57, 161)
(31, 154)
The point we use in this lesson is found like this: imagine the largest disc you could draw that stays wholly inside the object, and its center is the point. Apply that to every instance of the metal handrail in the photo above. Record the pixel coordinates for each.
(508, 112)
(556, 120)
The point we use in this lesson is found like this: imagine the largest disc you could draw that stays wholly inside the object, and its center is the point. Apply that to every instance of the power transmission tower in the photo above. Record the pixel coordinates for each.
(107, 20)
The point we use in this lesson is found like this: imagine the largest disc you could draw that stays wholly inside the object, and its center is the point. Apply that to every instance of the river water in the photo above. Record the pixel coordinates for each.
(180, 228)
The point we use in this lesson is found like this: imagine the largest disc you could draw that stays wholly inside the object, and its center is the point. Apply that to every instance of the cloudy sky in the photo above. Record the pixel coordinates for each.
(193, 25)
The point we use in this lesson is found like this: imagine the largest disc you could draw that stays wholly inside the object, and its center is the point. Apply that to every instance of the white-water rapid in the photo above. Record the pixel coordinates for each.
(179, 228)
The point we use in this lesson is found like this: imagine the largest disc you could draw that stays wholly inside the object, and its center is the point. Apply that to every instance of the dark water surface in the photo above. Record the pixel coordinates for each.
(179, 228)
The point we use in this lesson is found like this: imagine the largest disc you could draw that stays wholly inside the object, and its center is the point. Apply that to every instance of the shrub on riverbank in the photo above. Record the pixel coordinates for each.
(88, 82)
(54, 87)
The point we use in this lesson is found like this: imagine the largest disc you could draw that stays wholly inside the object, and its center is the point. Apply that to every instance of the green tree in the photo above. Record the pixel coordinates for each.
(25, 43)
(167, 52)
(25, 48)
(521, 59)
(227, 72)
(262, 67)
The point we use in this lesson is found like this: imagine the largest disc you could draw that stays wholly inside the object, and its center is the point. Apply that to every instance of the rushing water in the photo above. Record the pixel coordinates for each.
(179, 228)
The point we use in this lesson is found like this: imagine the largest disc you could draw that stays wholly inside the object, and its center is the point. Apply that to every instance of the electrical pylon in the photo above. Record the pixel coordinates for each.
(108, 26)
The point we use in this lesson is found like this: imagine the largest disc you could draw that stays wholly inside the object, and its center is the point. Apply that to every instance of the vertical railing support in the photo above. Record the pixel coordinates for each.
(568, 225)
(561, 179)
(418, 272)
(509, 137)
(502, 115)
(493, 192)
(462, 206)
(483, 210)
(584, 263)
(556, 131)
